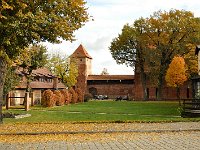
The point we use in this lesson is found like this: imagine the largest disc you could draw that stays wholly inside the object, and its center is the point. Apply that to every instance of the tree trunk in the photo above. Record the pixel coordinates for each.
(3, 67)
(144, 84)
(160, 86)
(178, 95)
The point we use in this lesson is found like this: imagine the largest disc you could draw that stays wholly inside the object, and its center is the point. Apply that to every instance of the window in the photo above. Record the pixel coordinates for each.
(41, 79)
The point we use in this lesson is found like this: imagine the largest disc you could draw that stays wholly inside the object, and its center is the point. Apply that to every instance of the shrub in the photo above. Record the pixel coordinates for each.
(74, 96)
(80, 94)
(70, 97)
(48, 99)
(66, 96)
(59, 98)
(87, 97)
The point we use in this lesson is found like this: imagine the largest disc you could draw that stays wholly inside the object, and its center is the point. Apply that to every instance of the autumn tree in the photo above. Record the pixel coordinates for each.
(191, 61)
(26, 22)
(176, 74)
(65, 69)
(169, 34)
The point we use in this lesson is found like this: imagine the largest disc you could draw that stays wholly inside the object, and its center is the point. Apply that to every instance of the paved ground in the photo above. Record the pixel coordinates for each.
(169, 139)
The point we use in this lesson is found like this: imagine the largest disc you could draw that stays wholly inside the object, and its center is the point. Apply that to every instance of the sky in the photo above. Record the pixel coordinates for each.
(108, 19)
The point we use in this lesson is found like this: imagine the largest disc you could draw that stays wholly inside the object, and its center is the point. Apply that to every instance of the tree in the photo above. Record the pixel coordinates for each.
(191, 61)
(104, 72)
(176, 74)
(26, 22)
(66, 71)
(11, 80)
(151, 43)
(32, 58)
(129, 48)
(169, 34)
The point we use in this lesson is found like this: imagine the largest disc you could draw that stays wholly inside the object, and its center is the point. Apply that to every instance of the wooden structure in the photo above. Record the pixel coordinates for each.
(26, 100)
(43, 79)
(191, 108)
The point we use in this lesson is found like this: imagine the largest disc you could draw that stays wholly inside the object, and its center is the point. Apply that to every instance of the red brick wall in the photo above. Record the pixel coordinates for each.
(113, 90)
(167, 92)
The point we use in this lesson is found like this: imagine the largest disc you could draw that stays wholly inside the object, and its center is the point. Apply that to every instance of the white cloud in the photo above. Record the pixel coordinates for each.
(109, 17)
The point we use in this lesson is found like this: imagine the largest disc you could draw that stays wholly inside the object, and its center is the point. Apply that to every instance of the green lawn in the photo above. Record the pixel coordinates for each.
(108, 111)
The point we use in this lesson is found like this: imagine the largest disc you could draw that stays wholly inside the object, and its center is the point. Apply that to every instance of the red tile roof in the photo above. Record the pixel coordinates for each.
(38, 72)
(41, 72)
(81, 52)
(39, 85)
(111, 77)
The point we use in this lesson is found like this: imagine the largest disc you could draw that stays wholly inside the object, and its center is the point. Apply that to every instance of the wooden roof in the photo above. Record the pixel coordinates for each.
(111, 77)
(81, 52)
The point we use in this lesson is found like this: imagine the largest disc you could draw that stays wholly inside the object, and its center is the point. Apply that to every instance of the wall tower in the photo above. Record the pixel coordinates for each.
(84, 62)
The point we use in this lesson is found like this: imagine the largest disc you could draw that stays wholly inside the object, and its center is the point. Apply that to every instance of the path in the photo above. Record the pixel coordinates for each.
(170, 136)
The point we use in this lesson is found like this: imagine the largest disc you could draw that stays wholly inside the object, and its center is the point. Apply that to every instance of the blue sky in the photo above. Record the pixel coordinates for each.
(109, 17)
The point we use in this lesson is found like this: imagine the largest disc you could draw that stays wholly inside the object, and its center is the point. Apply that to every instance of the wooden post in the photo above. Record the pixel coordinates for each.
(1, 113)
(7, 102)
(32, 98)
(26, 101)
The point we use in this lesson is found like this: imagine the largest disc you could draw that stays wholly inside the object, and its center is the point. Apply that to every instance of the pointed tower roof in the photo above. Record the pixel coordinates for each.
(81, 52)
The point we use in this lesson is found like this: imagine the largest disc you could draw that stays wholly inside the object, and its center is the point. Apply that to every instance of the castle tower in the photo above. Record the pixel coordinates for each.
(83, 60)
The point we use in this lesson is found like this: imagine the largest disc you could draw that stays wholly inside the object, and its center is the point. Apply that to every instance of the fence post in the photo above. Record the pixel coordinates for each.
(32, 99)
(7, 102)
(26, 99)
(1, 113)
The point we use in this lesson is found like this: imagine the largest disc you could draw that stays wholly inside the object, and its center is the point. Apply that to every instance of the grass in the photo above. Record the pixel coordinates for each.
(104, 111)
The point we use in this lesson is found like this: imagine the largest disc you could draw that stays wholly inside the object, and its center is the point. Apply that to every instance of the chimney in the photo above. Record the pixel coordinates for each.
(55, 83)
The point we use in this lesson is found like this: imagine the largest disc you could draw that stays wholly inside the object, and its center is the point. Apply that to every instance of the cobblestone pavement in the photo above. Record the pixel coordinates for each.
(182, 140)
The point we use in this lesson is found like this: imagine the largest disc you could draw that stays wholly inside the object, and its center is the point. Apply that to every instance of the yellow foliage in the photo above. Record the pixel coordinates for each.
(176, 73)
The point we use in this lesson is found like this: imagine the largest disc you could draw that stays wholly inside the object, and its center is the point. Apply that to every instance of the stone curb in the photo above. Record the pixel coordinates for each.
(94, 132)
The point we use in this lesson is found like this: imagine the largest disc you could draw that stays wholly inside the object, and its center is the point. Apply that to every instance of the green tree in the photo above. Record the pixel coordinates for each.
(32, 58)
(66, 71)
(26, 22)
(12, 79)
(129, 48)
(176, 74)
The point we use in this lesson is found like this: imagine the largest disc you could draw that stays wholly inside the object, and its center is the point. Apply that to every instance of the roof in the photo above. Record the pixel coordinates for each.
(38, 72)
(111, 77)
(40, 85)
(197, 49)
(81, 52)
(41, 72)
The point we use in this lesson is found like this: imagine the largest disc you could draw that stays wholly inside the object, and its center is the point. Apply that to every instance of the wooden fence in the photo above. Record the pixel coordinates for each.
(191, 108)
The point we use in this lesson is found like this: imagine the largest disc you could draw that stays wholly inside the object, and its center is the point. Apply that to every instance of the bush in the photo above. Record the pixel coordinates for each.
(87, 97)
(80, 95)
(66, 96)
(59, 98)
(74, 96)
(48, 99)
